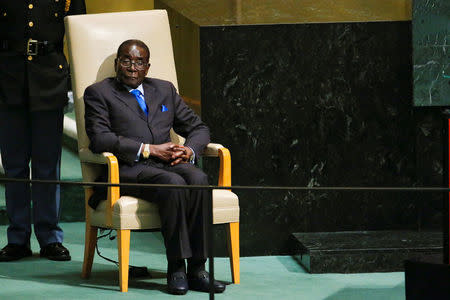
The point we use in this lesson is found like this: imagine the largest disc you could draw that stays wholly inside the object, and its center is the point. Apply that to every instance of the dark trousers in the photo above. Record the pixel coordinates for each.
(32, 136)
(182, 212)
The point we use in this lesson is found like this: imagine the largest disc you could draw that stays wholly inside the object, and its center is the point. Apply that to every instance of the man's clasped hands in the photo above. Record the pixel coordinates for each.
(170, 152)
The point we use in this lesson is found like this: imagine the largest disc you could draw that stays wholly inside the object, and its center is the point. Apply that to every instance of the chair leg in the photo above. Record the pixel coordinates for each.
(233, 250)
(123, 243)
(89, 250)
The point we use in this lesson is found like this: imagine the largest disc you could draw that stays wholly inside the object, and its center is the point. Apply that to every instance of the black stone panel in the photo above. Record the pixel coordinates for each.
(320, 105)
(359, 252)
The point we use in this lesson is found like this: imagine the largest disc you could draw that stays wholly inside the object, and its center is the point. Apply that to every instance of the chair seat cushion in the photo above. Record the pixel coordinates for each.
(225, 207)
(134, 213)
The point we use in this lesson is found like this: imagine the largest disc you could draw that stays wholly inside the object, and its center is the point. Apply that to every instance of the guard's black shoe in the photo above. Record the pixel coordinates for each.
(200, 282)
(14, 252)
(177, 283)
(55, 251)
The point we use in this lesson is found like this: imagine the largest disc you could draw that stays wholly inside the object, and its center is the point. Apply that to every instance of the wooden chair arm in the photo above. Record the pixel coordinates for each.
(225, 167)
(106, 158)
(217, 150)
(113, 191)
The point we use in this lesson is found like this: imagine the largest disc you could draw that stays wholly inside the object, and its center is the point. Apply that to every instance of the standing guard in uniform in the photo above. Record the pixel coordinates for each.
(33, 93)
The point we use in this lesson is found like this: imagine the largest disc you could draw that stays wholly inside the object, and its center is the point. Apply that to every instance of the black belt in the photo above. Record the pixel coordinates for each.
(29, 47)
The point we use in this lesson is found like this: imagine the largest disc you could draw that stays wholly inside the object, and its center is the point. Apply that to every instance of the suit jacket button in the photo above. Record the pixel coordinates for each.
(30, 57)
(30, 6)
(31, 24)
(60, 66)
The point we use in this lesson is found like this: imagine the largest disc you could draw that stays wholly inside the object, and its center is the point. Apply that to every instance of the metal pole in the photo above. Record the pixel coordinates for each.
(447, 213)
(446, 198)
(211, 245)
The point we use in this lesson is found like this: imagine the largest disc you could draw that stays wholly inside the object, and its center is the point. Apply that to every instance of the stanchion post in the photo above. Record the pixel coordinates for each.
(211, 245)
(447, 206)
(446, 202)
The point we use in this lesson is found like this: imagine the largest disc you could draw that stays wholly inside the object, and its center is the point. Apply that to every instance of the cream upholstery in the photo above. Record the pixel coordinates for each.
(93, 41)
(132, 213)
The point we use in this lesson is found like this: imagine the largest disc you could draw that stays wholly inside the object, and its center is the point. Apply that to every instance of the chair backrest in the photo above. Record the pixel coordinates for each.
(93, 41)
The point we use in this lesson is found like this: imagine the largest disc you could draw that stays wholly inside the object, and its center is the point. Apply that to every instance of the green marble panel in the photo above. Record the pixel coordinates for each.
(431, 52)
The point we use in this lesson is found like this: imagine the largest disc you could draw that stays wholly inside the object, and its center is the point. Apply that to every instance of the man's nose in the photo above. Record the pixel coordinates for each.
(133, 66)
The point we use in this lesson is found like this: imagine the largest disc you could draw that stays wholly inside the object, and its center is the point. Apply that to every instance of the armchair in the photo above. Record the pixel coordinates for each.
(92, 42)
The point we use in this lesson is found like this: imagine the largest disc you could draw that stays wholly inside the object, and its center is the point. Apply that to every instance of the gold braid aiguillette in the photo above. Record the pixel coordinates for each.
(66, 9)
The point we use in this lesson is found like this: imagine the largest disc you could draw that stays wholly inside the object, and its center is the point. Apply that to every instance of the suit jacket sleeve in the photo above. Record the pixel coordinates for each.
(98, 129)
(189, 125)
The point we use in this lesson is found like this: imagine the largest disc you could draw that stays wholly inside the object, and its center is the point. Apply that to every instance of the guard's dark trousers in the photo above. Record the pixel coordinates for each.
(32, 136)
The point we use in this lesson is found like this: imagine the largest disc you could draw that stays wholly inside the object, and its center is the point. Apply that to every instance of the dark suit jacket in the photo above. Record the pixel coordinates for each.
(115, 122)
(41, 82)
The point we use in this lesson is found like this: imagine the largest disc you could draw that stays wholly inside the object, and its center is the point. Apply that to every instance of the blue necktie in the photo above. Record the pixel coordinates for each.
(140, 100)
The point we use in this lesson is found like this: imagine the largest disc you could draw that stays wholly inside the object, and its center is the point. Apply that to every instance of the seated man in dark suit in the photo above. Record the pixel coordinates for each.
(131, 116)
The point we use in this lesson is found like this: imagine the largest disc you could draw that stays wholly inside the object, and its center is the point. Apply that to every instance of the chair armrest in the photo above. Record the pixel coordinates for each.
(225, 167)
(113, 191)
(212, 150)
(217, 150)
(87, 156)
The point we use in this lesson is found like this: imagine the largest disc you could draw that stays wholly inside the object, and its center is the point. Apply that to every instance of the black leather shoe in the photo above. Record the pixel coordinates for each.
(55, 251)
(14, 252)
(200, 282)
(177, 283)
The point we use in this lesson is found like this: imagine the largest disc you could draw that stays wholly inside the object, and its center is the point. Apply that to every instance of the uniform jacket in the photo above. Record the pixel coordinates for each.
(40, 81)
(115, 122)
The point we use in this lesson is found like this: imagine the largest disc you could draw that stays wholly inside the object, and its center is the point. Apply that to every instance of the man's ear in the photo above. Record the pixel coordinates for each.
(115, 64)
(148, 68)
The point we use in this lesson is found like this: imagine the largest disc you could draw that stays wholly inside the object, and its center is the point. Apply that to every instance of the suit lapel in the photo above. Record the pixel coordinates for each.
(150, 99)
(129, 100)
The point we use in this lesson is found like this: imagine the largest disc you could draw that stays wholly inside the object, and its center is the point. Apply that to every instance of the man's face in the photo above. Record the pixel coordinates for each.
(132, 65)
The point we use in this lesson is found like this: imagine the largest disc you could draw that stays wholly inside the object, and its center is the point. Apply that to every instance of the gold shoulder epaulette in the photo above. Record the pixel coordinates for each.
(66, 9)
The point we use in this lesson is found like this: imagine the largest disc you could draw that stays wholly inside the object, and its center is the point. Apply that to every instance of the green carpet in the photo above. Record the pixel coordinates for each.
(270, 277)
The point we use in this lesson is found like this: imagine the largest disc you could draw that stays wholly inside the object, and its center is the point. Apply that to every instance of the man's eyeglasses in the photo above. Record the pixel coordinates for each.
(139, 64)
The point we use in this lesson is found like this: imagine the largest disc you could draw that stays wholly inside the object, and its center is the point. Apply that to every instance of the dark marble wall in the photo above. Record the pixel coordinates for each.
(320, 105)
(431, 35)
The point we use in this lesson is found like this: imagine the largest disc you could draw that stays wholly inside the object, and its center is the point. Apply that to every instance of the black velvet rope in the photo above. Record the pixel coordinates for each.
(233, 187)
